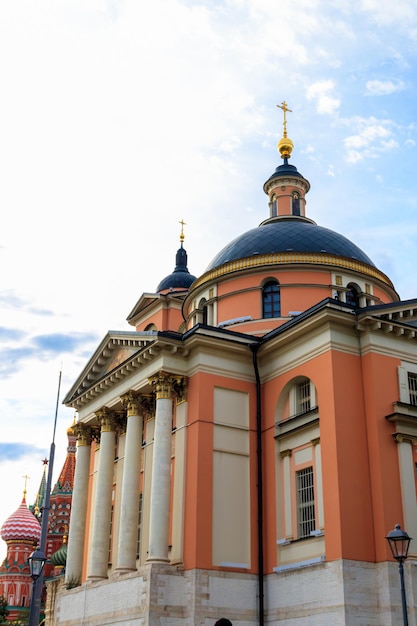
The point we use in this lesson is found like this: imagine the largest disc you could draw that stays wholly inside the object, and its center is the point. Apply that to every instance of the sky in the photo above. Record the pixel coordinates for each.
(118, 119)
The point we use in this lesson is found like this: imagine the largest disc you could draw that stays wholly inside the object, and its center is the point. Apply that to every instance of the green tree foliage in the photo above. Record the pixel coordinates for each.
(4, 611)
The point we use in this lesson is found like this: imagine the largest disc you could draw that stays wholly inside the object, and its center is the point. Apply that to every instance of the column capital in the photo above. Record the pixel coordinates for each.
(405, 438)
(106, 420)
(315, 442)
(131, 402)
(164, 384)
(181, 389)
(138, 403)
(83, 434)
(285, 453)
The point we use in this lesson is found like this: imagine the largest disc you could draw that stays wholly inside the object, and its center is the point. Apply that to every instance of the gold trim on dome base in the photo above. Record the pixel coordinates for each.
(288, 258)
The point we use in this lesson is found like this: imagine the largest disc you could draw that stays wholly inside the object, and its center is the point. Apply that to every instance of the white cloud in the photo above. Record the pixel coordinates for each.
(373, 137)
(321, 93)
(383, 87)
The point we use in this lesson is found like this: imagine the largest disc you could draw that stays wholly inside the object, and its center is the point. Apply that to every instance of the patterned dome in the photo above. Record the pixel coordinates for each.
(21, 525)
(289, 235)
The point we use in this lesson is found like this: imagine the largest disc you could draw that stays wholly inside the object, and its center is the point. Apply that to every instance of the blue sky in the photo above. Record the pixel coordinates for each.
(119, 119)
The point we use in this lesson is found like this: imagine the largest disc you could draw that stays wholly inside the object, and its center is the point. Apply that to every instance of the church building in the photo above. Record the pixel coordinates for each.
(244, 449)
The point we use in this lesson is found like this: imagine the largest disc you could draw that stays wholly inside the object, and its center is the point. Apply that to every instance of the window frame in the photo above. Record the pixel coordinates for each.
(271, 289)
(305, 501)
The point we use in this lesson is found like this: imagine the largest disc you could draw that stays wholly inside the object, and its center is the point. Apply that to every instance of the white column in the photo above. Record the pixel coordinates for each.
(161, 470)
(103, 498)
(76, 538)
(129, 511)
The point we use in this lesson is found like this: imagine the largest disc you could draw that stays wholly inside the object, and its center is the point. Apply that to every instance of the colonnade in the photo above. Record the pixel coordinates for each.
(136, 405)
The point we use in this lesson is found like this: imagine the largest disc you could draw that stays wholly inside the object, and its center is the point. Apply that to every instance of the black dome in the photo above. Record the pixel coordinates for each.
(180, 277)
(289, 235)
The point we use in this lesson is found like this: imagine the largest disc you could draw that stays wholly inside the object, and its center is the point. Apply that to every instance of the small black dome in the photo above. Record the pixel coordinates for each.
(180, 277)
(289, 235)
(286, 169)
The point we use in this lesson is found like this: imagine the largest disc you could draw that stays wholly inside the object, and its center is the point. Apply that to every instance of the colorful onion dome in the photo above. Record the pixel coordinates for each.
(21, 525)
(59, 558)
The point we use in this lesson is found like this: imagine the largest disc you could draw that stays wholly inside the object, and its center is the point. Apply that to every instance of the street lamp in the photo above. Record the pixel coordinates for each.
(399, 542)
(36, 562)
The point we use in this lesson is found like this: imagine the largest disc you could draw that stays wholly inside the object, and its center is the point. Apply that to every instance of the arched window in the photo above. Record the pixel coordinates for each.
(271, 299)
(352, 295)
(273, 206)
(296, 203)
(202, 311)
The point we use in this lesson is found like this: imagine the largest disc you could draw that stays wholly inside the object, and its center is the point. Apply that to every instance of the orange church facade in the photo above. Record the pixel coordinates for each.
(245, 449)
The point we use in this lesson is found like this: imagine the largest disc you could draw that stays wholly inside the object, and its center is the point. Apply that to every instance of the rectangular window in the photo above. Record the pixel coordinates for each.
(412, 388)
(304, 397)
(139, 527)
(306, 519)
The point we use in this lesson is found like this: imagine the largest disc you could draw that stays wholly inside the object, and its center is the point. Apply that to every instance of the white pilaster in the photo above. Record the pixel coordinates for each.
(103, 498)
(286, 459)
(319, 483)
(76, 538)
(408, 488)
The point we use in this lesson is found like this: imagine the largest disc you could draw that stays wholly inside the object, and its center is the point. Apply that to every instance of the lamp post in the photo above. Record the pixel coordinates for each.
(399, 542)
(39, 554)
(36, 562)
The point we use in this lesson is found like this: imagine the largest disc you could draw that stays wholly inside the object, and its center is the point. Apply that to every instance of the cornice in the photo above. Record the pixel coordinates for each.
(329, 315)
(99, 376)
(387, 325)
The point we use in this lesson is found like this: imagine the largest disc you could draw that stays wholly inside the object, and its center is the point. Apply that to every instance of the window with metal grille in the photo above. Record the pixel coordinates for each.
(304, 397)
(412, 388)
(306, 520)
(271, 300)
(139, 527)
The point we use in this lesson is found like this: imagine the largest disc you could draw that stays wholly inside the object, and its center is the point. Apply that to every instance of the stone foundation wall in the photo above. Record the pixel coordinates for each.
(325, 594)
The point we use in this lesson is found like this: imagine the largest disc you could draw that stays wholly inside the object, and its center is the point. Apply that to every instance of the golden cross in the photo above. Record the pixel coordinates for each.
(285, 108)
(182, 230)
(26, 477)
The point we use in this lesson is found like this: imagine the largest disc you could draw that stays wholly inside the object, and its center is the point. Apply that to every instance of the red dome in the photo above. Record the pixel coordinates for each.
(21, 525)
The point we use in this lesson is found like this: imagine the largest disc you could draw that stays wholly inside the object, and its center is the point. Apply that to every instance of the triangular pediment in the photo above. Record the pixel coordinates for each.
(112, 357)
(148, 303)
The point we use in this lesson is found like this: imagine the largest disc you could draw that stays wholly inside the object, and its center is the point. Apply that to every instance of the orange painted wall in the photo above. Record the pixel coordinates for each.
(243, 295)
(346, 475)
(199, 463)
(348, 514)
(165, 318)
(381, 380)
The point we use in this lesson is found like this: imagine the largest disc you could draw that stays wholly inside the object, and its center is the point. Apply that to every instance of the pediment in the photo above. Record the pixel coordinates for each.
(111, 359)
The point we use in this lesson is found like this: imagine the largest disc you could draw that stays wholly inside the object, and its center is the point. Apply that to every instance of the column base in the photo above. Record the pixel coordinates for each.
(93, 578)
(125, 569)
(157, 559)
